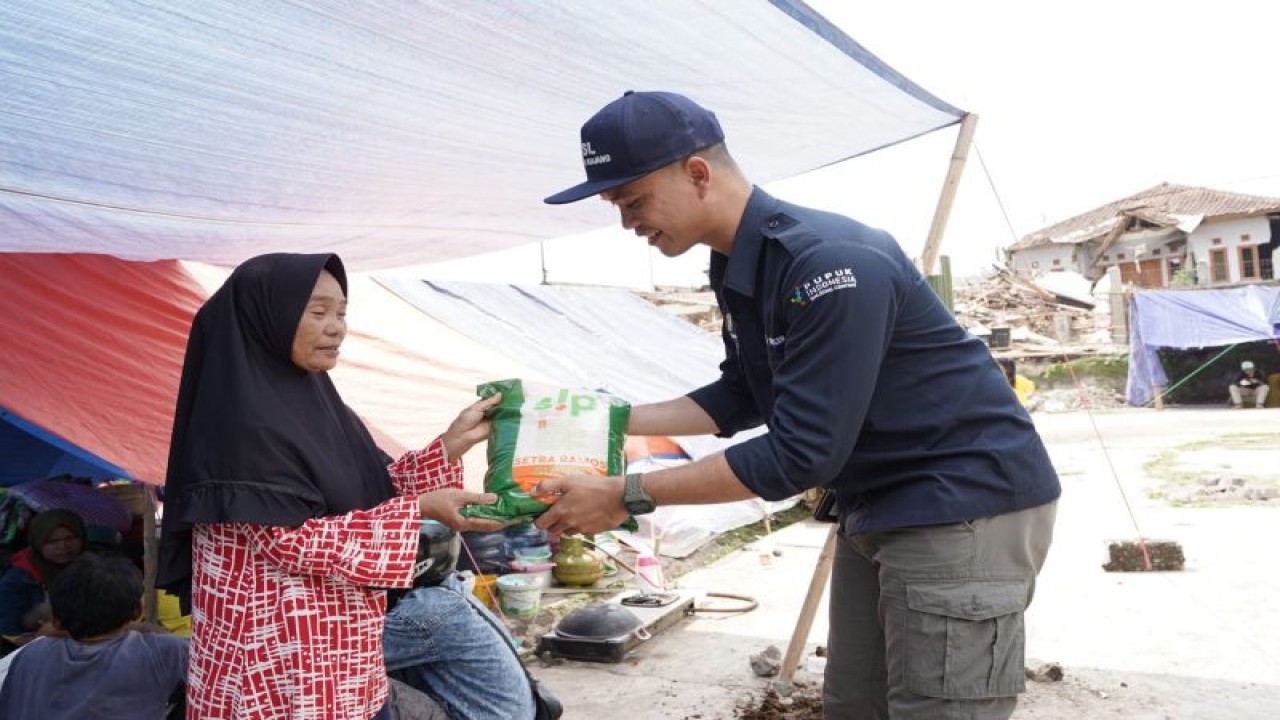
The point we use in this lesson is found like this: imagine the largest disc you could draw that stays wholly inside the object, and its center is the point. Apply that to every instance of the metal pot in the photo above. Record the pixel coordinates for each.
(601, 621)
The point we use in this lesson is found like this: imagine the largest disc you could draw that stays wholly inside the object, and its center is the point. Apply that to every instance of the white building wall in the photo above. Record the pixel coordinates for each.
(1033, 261)
(1233, 234)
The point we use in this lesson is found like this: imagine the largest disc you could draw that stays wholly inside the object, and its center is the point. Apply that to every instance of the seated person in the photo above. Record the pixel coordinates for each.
(439, 639)
(95, 666)
(1248, 385)
(54, 539)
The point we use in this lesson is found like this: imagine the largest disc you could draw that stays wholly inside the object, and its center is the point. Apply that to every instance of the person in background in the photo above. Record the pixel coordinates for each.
(54, 539)
(439, 639)
(834, 340)
(1248, 385)
(283, 522)
(94, 665)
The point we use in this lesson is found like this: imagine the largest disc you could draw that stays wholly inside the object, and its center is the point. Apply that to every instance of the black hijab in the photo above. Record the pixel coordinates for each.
(256, 439)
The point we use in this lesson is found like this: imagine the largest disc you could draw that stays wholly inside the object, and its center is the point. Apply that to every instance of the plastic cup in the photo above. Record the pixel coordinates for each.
(520, 594)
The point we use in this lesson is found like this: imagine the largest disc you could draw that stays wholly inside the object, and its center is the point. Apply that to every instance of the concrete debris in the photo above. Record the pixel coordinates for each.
(1087, 397)
(1037, 316)
(1045, 672)
(768, 662)
(1227, 489)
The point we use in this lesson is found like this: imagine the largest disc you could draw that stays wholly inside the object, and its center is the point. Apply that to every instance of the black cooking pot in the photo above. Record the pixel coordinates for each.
(601, 621)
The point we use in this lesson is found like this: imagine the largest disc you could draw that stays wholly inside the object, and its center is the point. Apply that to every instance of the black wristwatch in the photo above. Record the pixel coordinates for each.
(634, 498)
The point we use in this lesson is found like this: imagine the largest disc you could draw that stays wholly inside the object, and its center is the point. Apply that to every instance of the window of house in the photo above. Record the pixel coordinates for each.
(1249, 265)
(1119, 256)
(1156, 251)
(1106, 258)
(1218, 272)
(1056, 262)
(1244, 238)
(1216, 241)
(1035, 264)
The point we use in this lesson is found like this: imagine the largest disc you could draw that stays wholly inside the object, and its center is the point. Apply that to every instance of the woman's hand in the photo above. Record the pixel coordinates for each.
(469, 428)
(444, 505)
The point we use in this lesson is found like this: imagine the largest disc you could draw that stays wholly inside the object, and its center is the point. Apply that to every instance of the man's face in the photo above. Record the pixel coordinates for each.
(322, 327)
(664, 207)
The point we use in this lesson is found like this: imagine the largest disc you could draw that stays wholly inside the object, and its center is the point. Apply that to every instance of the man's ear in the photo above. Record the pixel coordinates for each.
(699, 172)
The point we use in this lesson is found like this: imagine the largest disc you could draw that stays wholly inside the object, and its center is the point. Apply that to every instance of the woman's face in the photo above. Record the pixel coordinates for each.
(322, 327)
(61, 547)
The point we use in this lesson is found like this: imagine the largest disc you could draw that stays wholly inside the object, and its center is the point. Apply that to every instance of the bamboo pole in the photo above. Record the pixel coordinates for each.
(817, 585)
(940, 215)
(150, 555)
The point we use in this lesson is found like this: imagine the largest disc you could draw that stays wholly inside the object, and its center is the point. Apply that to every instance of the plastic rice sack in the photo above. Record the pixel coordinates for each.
(541, 431)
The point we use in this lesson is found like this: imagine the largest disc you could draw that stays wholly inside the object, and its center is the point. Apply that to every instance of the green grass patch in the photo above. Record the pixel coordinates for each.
(1113, 370)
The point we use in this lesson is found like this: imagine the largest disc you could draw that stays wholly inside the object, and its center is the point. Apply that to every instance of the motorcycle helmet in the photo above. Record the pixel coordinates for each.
(438, 547)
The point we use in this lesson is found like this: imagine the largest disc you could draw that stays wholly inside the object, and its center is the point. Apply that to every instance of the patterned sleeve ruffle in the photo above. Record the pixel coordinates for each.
(420, 471)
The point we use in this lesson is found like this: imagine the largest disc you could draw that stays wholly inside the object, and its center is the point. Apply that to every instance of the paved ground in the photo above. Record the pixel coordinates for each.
(1202, 643)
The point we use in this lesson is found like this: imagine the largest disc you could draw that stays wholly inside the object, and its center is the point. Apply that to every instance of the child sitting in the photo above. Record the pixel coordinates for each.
(95, 666)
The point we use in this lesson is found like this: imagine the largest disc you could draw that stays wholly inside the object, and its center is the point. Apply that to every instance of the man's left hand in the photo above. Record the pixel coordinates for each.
(585, 504)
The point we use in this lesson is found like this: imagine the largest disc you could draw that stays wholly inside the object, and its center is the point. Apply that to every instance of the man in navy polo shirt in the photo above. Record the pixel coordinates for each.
(868, 387)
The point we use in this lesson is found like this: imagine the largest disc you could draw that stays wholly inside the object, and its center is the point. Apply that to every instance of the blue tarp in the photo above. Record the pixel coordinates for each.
(1191, 319)
(28, 452)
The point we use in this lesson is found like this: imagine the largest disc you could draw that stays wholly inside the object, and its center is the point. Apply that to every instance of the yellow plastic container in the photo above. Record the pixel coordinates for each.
(486, 589)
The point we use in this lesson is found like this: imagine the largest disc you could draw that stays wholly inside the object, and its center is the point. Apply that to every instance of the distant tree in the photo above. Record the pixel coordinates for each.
(1183, 278)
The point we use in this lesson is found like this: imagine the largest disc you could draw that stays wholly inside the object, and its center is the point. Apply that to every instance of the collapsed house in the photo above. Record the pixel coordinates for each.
(1165, 236)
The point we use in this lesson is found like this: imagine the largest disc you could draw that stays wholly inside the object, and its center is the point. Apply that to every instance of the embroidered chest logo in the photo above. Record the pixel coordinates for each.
(819, 285)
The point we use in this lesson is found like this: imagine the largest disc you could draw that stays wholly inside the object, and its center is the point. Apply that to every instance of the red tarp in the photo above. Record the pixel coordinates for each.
(93, 351)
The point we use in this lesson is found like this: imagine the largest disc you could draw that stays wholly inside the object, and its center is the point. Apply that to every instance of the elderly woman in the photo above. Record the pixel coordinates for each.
(283, 520)
(54, 539)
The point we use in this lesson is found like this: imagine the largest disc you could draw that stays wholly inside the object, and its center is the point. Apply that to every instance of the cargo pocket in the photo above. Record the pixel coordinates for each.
(964, 640)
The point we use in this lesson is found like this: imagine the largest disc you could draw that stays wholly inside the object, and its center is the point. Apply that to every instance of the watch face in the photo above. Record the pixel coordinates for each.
(640, 507)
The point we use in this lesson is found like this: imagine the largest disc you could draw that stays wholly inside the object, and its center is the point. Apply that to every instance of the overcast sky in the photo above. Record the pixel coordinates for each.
(1081, 103)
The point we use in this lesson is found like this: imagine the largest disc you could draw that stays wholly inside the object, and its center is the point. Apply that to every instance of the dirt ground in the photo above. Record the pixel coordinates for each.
(1200, 643)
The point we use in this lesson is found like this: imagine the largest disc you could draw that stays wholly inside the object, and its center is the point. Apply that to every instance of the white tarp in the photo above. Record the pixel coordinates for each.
(392, 133)
(601, 338)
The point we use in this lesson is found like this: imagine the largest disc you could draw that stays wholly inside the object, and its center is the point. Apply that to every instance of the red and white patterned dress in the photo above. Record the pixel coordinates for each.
(285, 621)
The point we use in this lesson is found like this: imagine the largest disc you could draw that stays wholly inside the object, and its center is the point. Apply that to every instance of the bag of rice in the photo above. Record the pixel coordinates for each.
(540, 431)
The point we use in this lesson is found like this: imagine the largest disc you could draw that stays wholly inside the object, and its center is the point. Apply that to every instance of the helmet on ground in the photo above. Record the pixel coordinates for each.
(438, 547)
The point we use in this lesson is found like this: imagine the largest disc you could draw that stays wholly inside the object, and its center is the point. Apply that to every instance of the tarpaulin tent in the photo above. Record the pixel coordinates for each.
(93, 351)
(1193, 319)
(606, 339)
(392, 133)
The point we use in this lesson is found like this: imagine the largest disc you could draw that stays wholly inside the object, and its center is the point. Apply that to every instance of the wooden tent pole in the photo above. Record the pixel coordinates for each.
(940, 215)
(150, 556)
(817, 585)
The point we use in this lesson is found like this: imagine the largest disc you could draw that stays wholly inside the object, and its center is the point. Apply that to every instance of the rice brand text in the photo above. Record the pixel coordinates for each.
(564, 400)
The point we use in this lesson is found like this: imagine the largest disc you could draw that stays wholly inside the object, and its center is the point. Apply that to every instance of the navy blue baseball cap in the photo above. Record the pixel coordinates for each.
(637, 134)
